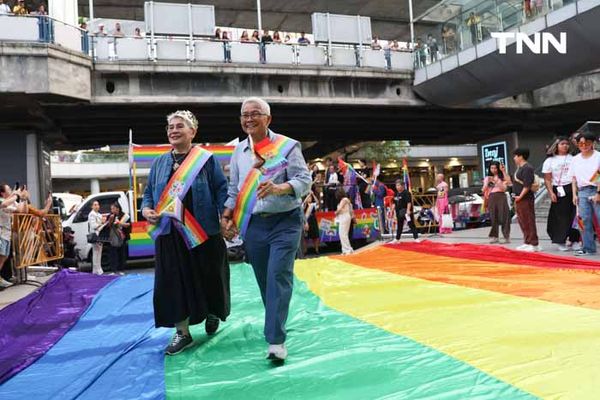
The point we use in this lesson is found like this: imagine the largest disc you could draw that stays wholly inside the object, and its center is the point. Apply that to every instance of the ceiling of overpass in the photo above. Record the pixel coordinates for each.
(80, 126)
(389, 19)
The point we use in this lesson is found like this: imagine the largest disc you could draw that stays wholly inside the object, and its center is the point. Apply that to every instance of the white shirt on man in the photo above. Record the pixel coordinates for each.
(4, 9)
(559, 166)
(583, 169)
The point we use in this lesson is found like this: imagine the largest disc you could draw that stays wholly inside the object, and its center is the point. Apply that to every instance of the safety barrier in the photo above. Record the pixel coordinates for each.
(36, 240)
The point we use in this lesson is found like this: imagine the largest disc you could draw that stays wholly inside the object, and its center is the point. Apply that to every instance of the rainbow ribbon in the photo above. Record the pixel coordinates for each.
(596, 177)
(274, 154)
(170, 205)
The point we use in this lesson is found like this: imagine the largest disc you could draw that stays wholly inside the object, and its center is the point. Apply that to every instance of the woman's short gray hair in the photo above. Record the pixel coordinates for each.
(264, 106)
(187, 116)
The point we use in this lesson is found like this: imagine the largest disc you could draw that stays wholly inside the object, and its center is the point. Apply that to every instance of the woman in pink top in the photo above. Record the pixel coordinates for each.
(494, 191)
(441, 204)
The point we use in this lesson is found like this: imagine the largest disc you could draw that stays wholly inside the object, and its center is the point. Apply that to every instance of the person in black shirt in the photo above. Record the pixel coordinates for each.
(524, 199)
(403, 206)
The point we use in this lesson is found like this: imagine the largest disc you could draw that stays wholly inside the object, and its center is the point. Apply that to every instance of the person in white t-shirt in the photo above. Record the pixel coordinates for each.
(4, 8)
(558, 182)
(584, 172)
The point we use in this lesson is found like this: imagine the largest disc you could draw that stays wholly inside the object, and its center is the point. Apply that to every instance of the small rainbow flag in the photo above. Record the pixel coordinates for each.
(596, 177)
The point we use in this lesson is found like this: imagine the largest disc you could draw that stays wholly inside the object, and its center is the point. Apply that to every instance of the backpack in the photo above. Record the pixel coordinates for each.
(537, 182)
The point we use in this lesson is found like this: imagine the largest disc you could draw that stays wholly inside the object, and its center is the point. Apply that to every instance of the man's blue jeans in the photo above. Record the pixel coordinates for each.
(271, 243)
(587, 208)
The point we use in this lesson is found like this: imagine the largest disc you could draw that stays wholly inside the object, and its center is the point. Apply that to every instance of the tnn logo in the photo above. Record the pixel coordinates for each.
(539, 44)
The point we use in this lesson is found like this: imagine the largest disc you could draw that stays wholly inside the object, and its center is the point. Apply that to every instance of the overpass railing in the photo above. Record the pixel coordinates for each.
(42, 29)
(106, 48)
(473, 25)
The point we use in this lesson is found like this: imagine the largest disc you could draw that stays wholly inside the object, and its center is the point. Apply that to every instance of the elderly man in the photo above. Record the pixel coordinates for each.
(268, 177)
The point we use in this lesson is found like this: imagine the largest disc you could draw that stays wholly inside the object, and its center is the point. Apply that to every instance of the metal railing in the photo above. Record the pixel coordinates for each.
(106, 48)
(475, 24)
(42, 29)
(112, 49)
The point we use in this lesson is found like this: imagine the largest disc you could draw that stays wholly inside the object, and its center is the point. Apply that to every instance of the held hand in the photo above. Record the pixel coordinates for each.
(575, 200)
(518, 199)
(267, 188)
(597, 198)
(553, 197)
(228, 228)
(150, 215)
(306, 227)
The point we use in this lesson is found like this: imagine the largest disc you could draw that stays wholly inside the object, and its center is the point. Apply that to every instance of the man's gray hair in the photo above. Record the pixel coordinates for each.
(264, 106)
(187, 116)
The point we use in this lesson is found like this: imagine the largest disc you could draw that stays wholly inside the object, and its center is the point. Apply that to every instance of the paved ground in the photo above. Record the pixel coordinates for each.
(477, 236)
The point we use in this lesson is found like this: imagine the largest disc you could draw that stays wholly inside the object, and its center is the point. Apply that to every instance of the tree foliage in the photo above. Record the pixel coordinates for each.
(385, 151)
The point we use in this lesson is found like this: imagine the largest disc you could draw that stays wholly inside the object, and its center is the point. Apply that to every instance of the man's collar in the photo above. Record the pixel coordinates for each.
(247, 140)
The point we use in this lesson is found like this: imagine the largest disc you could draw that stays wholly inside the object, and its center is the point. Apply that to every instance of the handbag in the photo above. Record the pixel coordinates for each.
(92, 237)
(116, 238)
(447, 221)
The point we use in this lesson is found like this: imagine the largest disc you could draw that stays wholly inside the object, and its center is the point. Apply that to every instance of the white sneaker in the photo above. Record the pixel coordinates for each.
(527, 247)
(576, 246)
(277, 352)
(562, 247)
(493, 240)
(5, 284)
(538, 248)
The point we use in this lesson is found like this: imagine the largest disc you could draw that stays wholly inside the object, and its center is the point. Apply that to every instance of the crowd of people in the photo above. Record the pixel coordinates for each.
(20, 8)
(14, 200)
(570, 175)
(111, 230)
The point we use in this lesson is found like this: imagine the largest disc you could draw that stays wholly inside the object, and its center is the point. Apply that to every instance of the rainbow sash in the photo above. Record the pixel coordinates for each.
(170, 205)
(272, 159)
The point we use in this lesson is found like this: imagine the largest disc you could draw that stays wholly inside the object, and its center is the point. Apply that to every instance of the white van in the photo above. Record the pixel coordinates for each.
(78, 220)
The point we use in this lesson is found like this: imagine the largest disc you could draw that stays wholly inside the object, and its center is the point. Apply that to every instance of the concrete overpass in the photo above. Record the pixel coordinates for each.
(389, 19)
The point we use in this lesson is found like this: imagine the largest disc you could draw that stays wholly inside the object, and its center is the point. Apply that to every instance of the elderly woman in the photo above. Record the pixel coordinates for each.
(183, 200)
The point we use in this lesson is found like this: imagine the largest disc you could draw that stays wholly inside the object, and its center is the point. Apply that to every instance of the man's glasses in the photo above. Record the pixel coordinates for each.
(252, 115)
(586, 143)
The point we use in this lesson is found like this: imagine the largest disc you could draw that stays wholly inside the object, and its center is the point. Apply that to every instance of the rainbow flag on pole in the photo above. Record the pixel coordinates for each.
(146, 154)
(405, 174)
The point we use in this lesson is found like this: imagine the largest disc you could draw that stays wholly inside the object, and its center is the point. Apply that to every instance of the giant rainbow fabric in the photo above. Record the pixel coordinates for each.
(409, 321)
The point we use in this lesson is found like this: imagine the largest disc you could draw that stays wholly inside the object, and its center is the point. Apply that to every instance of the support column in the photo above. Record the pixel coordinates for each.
(94, 186)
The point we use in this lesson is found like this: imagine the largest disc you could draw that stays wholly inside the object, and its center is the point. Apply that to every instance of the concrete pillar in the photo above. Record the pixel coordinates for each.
(20, 162)
(94, 186)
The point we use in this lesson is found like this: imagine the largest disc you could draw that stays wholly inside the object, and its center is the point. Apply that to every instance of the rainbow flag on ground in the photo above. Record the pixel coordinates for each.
(408, 321)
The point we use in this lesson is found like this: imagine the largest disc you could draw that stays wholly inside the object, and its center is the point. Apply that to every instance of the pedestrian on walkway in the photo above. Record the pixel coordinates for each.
(343, 216)
(442, 202)
(95, 225)
(523, 182)
(494, 192)
(403, 207)
(557, 178)
(584, 171)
